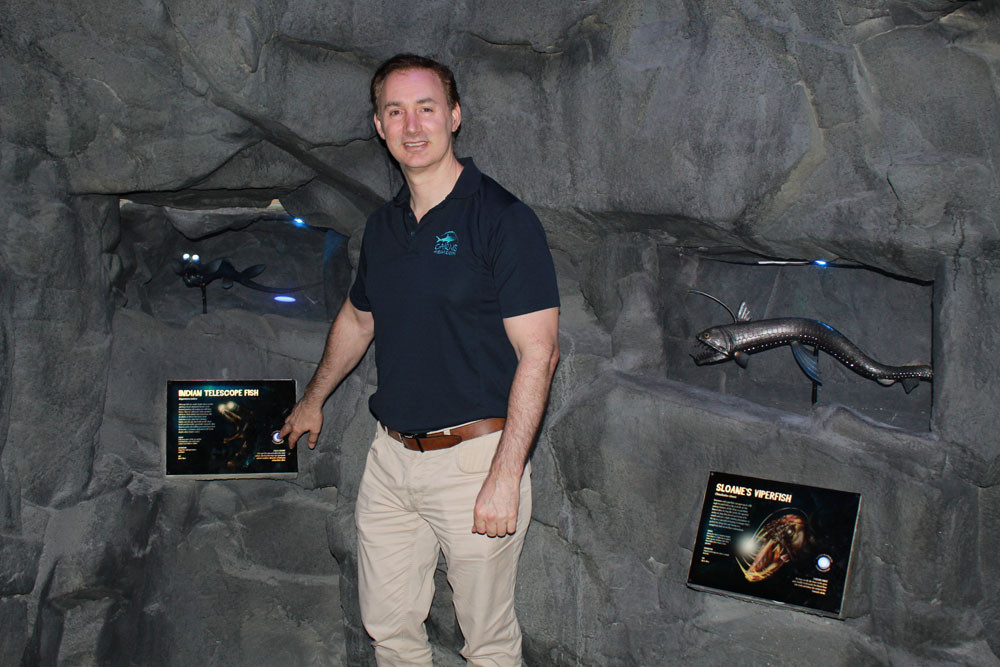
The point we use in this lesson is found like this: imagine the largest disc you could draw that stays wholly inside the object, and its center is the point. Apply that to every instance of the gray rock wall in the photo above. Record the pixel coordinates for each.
(648, 135)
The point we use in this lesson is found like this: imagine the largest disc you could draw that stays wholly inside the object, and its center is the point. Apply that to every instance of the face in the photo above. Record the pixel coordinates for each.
(414, 119)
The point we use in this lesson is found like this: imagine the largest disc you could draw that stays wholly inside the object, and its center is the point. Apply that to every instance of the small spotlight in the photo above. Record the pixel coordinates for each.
(299, 222)
(195, 258)
(823, 563)
(819, 262)
(185, 257)
(285, 299)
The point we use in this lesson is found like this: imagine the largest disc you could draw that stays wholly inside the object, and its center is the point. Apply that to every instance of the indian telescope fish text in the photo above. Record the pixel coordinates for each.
(215, 393)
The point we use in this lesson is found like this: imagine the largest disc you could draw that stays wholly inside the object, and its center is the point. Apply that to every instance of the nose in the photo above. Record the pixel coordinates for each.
(412, 123)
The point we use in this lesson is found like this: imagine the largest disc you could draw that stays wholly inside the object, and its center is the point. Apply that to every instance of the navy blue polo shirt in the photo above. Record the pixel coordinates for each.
(438, 292)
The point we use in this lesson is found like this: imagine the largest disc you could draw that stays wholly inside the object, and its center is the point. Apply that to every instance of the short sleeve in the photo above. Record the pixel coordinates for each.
(358, 294)
(523, 271)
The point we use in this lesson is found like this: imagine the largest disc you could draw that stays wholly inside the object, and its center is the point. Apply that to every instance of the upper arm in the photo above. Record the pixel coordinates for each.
(360, 322)
(535, 333)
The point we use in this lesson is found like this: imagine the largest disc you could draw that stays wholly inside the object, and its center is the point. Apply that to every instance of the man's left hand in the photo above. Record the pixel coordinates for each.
(495, 513)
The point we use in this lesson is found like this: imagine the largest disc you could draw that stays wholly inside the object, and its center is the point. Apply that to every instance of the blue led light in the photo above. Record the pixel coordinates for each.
(819, 262)
(285, 299)
(299, 222)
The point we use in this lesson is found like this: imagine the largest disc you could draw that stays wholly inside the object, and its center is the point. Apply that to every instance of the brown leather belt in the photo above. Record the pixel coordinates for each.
(427, 442)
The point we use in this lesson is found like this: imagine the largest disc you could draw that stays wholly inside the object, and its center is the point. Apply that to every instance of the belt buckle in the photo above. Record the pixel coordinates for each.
(415, 437)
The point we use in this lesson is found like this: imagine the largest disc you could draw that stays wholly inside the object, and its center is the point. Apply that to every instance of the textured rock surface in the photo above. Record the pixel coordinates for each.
(653, 138)
(236, 572)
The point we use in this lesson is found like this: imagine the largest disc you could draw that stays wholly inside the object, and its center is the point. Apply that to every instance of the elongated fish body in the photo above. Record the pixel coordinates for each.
(735, 341)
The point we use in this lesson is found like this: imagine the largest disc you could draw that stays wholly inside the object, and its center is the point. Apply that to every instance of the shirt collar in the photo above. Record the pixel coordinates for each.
(466, 186)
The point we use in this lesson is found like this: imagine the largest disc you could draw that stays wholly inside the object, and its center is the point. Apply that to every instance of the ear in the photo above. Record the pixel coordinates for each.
(378, 126)
(456, 117)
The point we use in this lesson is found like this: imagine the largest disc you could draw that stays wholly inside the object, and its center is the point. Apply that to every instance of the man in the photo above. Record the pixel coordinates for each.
(456, 286)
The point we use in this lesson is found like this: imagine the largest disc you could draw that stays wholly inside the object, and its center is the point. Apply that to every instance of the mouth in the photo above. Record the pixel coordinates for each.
(781, 542)
(414, 145)
(703, 353)
(770, 558)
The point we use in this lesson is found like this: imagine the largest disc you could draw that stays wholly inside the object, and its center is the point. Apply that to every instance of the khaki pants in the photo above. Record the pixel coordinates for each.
(410, 505)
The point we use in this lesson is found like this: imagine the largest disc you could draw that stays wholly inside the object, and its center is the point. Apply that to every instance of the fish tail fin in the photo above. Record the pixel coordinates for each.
(253, 271)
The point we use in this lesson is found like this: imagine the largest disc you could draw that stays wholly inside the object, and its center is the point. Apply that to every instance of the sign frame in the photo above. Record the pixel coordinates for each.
(227, 429)
(776, 543)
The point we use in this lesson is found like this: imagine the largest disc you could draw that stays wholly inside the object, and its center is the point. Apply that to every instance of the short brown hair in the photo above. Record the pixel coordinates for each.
(405, 61)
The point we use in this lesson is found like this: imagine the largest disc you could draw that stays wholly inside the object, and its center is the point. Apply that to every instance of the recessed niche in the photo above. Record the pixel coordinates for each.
(888, 318)
(306, 266)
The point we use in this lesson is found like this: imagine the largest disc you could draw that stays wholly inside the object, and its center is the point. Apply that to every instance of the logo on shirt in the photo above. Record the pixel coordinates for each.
(446, 244)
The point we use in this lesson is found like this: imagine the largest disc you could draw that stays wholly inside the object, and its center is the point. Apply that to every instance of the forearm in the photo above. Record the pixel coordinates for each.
(528, 396)
(535, 339)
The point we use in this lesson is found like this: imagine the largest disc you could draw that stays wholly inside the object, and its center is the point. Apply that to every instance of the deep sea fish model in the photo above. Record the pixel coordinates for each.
(196, 274)
(736, 341)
